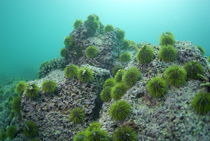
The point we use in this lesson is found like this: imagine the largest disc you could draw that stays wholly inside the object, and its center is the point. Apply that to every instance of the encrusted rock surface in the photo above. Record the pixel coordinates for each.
(168, 118)
(49, 66)
(105, 43)
(186, 52)
(51, 112)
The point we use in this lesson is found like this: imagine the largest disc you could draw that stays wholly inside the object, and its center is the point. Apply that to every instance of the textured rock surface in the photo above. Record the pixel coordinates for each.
(168, 118)
(104, 42)
(186, 52)
(49, 66)
(51, 113)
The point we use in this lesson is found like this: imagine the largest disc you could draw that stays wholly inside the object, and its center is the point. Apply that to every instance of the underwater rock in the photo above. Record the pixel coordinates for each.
(188, 52)
(105, 43)
(170, 117)
(108, 45)
(51, 113)
(47, 67)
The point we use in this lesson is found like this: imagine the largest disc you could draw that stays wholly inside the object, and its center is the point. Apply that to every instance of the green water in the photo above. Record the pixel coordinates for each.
(32, 31)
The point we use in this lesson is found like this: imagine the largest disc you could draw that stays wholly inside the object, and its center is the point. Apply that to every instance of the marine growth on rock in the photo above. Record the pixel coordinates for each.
(106, 87)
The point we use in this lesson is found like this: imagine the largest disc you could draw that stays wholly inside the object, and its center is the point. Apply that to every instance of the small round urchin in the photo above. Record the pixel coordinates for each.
(49, 86)
(85, 75)
(91, 52)
(125, 57)
(116, 68)
(110, 82)
(32, 91)
(157, 87)
(168, 53)
(120, 110)
(20, 87)
(193, 69)
(145, 55)
(11, 132)
(125, 133)
(175, 75)
(3, 134)
(120, 34)
(77, 24)
(105, 94)
(77, 115)
(126, 44)
(118, 76)
(208, 59)
(93, 17)
(131, 76)
(68, 41)
(94, 125)
(30, 129)
(201, 49)
(201, 103)
(80, 136)
(92, 24)
(71, 71)
(109, 28)
(118, 90)
(97, 134)
(64, 52)
(16, 104)
(167, 38)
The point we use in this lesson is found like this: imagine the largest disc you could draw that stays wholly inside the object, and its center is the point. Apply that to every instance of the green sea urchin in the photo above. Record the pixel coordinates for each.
(201, 102)
(118, 90)
(91, 52)
(131, 76)
(77, 115)
(120, 110)
(85, 75)
(168, 53)
(125, 133)
(167, 38)
(20, 87)
(71, 71)
(49, 86)
(193, 69)
(175, 75)
(145, 55)
(157, 87)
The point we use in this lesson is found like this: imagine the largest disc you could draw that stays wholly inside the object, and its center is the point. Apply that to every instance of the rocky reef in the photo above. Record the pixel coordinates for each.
(104, 87)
